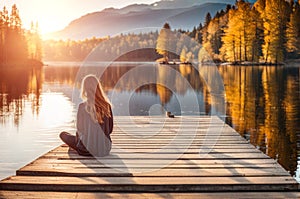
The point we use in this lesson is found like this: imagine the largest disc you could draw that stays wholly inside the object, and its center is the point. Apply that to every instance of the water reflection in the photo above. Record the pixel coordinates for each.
(31, 117)
(61, 74)
(111, 75)
(264, 106)
(171, 85)
(16, 87)
(263, 103)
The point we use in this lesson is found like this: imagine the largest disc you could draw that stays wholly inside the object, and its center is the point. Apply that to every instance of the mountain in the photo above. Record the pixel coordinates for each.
(140, 18)
(195, 15)
(173, 4)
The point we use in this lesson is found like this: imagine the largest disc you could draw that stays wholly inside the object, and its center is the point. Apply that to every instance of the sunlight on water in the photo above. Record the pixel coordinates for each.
(263, 105)
(36, 132)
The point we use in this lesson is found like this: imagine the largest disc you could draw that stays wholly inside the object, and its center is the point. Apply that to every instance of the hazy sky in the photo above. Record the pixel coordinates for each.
(54, 15)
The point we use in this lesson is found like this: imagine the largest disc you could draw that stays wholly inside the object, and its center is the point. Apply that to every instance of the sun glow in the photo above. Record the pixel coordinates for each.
(48, 25)
(50, 16)
(55, 15)
(58, 111)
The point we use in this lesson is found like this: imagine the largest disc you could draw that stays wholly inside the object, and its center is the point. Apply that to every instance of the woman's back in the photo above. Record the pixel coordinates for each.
(94, 121)
(94, 136)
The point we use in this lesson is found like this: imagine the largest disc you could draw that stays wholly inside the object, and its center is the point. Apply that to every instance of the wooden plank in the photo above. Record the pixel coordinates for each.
(145, 180)
(65, 170)
(182, 145)
(211, 162)
(169, 134)
(164, 156)
(97, 195)
(226, 162)
(205, 144)
(172, 123)
(77, 164)
(180, 127)
(163, 120)
(172, 150)
(179, 141)
(183, 138)
(192, 147)
(153, 184)
(160, 118)
(174, 129)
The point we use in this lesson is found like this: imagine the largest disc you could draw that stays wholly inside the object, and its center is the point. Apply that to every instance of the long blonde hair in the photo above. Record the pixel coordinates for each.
(97, 103)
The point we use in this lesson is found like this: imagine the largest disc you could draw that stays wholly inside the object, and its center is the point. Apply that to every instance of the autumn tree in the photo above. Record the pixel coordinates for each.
(211, 36)
(229, 50)
(257, 36)
(275, 16)
(183, 53)
(34, 42)
(3, 31)
(293, 32)
(15, 39)
(124, 47)
(165, 42)
(242, 35)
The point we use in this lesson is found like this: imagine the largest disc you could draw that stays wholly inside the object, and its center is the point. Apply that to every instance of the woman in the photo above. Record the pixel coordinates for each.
(94, 121)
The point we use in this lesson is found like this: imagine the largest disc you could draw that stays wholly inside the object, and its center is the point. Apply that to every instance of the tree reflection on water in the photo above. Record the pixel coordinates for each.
(263, 103)
(264, 107)
(16, 87)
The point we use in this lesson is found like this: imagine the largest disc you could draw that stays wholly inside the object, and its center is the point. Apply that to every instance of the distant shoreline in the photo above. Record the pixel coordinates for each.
(23, 65)
(172, 63)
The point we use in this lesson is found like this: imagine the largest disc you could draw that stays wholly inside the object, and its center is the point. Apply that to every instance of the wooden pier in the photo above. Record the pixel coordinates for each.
(157, 157)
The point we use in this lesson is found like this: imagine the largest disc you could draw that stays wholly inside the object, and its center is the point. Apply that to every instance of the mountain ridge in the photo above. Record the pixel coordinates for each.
(135, 17)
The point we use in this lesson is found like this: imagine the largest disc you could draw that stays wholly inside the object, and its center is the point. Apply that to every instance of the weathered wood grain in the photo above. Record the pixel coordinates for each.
(97, 195)
(184, 154)
(142, 184)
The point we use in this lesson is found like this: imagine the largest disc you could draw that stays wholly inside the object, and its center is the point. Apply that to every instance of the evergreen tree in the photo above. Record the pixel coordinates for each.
(207, 19)
(211, 36)
(4, 32)
(17, 46)
(13, 40)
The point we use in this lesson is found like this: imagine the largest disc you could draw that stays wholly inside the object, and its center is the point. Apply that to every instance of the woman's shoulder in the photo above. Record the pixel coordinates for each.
(81, 105)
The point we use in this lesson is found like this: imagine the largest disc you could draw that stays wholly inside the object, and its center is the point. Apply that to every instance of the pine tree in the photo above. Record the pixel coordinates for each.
(211, 36)
(207, 19)
(13, 43)
(4, 32)
(1, 36)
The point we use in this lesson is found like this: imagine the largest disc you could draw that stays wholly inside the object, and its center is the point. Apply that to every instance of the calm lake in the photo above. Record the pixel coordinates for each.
(262, 103)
